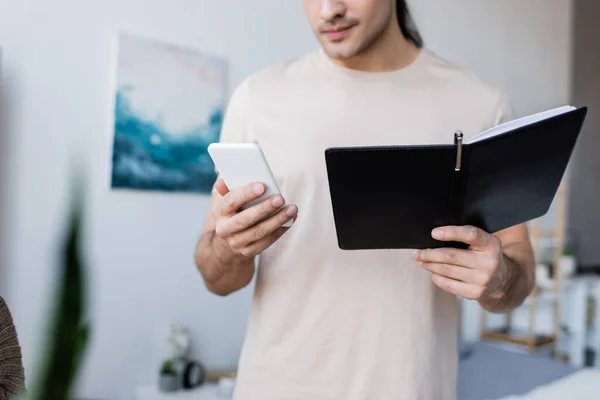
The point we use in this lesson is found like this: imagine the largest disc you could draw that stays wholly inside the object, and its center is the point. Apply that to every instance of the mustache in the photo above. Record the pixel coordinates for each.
(337, 25)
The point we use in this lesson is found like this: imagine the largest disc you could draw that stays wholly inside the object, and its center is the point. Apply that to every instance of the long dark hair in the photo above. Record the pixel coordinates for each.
(407, 25)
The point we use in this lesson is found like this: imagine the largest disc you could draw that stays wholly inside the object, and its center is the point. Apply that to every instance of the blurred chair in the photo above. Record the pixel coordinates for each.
(12, 375)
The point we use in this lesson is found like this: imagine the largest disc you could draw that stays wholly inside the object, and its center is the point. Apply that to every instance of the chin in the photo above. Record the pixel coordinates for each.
(340, 51)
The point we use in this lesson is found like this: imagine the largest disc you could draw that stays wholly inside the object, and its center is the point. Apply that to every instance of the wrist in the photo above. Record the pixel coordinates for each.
(498, 299)
(224, 253)
(225, 261)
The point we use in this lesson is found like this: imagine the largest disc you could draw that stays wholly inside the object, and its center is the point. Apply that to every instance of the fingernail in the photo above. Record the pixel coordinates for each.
(416, 254)
(277, 201)
(258, 188)
(291, 211)
(438, 233)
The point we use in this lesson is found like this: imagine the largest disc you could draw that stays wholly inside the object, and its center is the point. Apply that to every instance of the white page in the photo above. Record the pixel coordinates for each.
(520, 122)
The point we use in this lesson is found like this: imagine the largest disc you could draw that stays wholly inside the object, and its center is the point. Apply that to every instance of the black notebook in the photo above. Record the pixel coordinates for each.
(392, 197)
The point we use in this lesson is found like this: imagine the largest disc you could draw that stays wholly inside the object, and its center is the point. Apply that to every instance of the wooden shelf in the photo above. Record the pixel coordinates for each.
(547, 289)
(214, 375)
(546, 286)
(544, 234)
(533, 342)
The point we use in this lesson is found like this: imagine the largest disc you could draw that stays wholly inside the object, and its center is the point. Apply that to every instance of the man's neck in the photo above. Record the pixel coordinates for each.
(388, 53)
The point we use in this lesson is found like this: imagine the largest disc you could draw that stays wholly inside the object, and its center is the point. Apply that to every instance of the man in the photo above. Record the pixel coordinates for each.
(352, 325)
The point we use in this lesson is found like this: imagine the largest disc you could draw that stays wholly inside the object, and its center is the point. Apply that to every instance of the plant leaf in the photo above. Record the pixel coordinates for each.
(67, 335)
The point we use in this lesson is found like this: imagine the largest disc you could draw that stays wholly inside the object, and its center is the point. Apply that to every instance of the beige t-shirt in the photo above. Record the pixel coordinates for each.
(348, 325)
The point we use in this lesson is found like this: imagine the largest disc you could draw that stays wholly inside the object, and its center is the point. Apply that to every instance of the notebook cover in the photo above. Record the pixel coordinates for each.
(514, 178)
(392, 197)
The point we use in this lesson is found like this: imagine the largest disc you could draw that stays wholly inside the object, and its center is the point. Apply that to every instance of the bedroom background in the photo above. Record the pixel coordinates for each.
(57, 84)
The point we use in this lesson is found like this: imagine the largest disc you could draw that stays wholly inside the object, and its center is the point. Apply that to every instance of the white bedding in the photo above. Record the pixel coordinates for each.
(581, 385)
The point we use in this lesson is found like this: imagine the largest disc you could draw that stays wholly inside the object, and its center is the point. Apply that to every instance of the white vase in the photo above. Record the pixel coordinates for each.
(541, 273)
(567, 265)
(168, 383)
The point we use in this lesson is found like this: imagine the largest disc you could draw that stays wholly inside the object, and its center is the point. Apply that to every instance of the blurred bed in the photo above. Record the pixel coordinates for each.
(488, 372)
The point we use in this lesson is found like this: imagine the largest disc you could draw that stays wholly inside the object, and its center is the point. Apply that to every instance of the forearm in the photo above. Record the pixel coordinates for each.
(519, 279)
(223, 270)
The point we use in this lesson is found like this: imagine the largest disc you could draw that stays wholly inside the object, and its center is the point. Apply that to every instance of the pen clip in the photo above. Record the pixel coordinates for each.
(458, 140)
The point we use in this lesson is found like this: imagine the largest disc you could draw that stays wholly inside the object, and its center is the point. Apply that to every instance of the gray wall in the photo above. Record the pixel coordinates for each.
(4, 154)
(584, 199)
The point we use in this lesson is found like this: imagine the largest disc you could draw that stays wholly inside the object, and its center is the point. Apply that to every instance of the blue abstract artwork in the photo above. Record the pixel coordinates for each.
(169, 107)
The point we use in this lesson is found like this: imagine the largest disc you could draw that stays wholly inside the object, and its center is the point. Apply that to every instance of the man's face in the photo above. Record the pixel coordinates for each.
(346, 28)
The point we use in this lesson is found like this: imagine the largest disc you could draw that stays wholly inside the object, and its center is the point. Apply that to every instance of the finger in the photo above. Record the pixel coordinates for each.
(253, 215)
(259, 246)
(465, 234)
(221, 187)
(264, 228)
(460, 257)
(456, 273)
(462, 289)
(235, 199)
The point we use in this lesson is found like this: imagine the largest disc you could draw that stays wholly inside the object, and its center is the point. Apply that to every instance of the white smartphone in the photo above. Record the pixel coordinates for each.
(240, 164)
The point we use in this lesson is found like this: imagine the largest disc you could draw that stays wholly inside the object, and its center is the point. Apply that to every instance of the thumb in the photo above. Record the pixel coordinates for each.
(221, 187)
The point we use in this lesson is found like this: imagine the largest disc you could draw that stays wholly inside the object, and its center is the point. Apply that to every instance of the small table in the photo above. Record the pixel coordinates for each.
(208, 391)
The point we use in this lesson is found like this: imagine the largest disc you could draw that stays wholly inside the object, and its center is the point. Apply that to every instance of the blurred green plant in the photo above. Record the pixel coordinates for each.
(67, 333)
(168, 368)
(568, 252)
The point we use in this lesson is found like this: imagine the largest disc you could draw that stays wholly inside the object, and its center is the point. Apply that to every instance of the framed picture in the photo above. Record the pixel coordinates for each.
(169, 106)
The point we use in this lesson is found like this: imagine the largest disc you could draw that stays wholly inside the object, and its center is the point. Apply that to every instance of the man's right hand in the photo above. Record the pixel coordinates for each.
(249, 232)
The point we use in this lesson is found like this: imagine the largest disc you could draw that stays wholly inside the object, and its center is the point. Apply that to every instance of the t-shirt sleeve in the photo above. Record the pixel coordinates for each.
(504, 110)
(235, 121)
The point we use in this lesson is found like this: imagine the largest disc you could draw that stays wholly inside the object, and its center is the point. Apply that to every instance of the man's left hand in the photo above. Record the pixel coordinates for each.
(478, 272)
